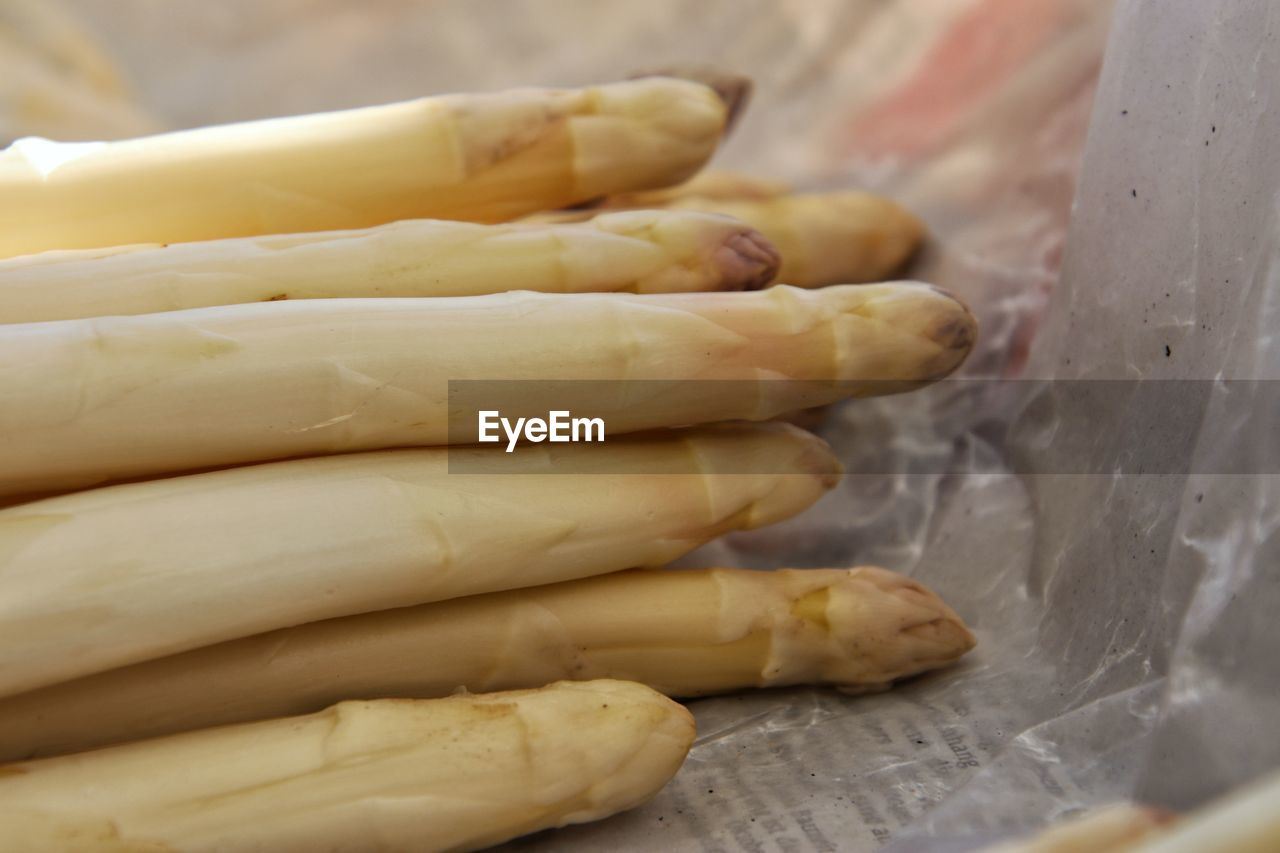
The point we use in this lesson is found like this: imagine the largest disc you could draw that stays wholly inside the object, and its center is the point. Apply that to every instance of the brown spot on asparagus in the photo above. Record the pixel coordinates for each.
(955, 335)
(748, 261)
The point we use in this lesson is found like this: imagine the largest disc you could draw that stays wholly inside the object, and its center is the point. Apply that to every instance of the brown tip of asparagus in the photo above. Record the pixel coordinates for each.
(919, 631)
(937, 316)
(747, 261)
(932, 329)
(955, 334)
(733, 89)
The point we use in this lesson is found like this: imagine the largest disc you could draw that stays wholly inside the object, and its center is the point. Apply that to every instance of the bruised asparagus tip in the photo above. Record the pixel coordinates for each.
(748, 261)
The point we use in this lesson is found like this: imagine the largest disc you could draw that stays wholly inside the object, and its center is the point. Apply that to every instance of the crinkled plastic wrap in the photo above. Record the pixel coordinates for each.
(1127, 638)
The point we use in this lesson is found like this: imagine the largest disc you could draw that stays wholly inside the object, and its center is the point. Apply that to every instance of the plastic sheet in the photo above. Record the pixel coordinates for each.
(1126, 645)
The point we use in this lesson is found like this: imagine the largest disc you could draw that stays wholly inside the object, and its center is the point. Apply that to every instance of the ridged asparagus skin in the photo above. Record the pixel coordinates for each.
(56, 79)
(638, 252)
(685, 633)
(88, 401)
(104, 578)
(460, 773)
(482, 158)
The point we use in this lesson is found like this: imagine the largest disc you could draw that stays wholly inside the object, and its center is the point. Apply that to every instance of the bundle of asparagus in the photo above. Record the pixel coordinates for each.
(268, 522)
(152, 568)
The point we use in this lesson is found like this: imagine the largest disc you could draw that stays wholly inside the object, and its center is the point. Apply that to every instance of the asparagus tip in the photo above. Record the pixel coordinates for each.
(748, 261)
(733, 89)
(956, 333)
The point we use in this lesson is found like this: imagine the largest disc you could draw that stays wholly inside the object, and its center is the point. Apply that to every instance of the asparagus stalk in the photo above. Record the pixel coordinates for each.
(485, 158)
(641, 251)
(685, 633)
(446, 774)
(826, 238)
(105, 578)
(36, 96)
(51, 31)
(55, 80)
(1246, 820)
(823, 238)
(734, 89)
(86, 401)
(1110, 829)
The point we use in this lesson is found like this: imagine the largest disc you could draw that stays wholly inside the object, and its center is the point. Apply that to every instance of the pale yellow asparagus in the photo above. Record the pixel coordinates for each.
(459, 773)
(639, 252)
(734, 89)
(108, 577)
(86, 401)
(685, 633)
(1108, 829)
(47, 29)
(826, 238)
(480, 157)
(706, 186)
(823, 238)
(1246, 820)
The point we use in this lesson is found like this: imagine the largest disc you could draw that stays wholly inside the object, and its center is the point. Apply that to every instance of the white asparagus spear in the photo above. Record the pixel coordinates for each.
(56, 80)
(826, 238)
(100, 579)
(640, 252)
(1113, 828)
(823, 238)
(391, 775)
(685, 633)
(1246, 820)
(86, 401)
(36, 96)
(58, 34)
(480, 157)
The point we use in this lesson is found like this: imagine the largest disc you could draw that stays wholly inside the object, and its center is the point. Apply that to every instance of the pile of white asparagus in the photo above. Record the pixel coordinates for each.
(237, 560)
